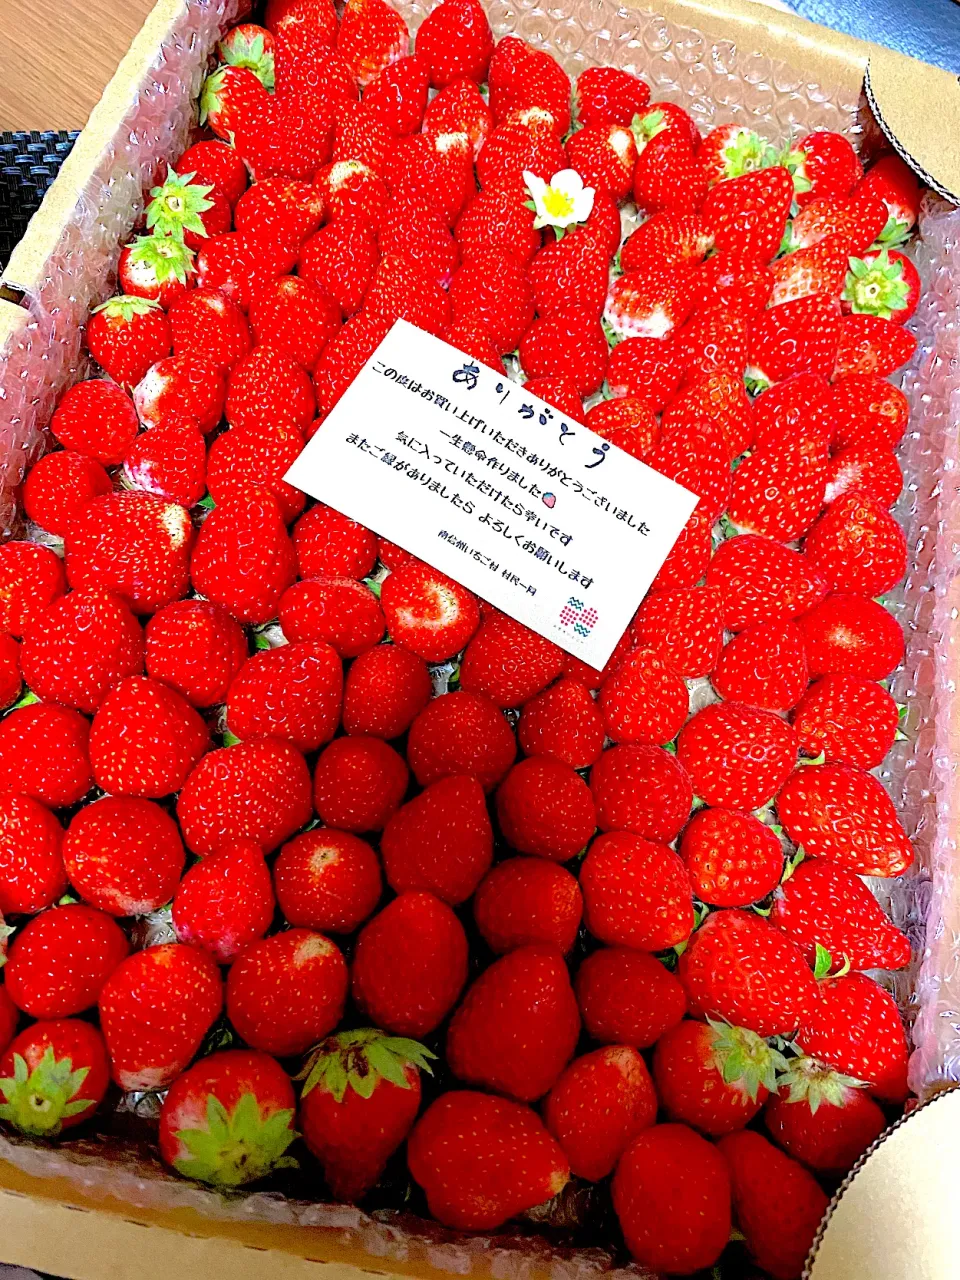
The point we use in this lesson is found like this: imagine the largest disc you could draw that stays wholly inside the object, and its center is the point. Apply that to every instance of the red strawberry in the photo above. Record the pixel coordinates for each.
(410, 965)
(411, 227)
(126, 335)
(749, 214)
(777, 1204)
(340, 259)
(717, 397)
(305, 32)
(872, 345)
(197, 648)
(739, 285)
(254, 458)
(386, 688)
(30, 856)
(667, 176)
(647, 368)
(402, 289)
(288, 134)
(628, 423)
(9, 1017)
(279, 212)
(522, 141)
(628, 997)
(737, 756)
(256, 791)
(563, 723)
(521, 77)
(60, 960)
(858, 546)
(293, 692)
(569, 344)
(456, 43)
(170, 462)
(97, 419)
(181, 386)
(441, 841)
(847, 719)
(465, 734)
(799, 407)
(607, 95)
(684, 626)
(436, 168)
(714, 341)
(644, 700)
(713, 1076)
(895, 185)
(675, 239)
(229, 1119)
(527, 901)
(10, 679)
(765, 666)
(803, 336)
(428, 612)
(860, 219)
(372, 36)
(208, 326)
(286, 992)
(517, 1026)
(651, 303)
(821, 268)
(398, 96)
(697, 460)
(31, 578)
(499, 219)
(352, 190)
(327, 880)
(823, 164)
(243, 559)
(53, 1076)
(155, 1010)
(461, 108)
(44, 754)
(80, 647)
(823, 904)
(671, 1194)
(58, 485)
(839, 812)
(225, 901)
(123, 855)
(546, 809)
(822, 1120)
(266, 387)
(215, 163)
(237, 265)
(741, 969)
(883, 283)
(732, 859)
(359, 784)
(490, 289)
(327, 542)
(636, 893)
(852, 635)
(600, 1103)
(145, 739)
(641, 789)
(227, 97)
(341, 611)
(160, 268)
(507, 662)
(482, 1160)
(855, 1027)
(873, 470)
(604, 155)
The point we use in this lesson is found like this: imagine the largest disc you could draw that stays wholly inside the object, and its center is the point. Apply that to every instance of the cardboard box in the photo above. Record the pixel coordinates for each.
(78, 1211)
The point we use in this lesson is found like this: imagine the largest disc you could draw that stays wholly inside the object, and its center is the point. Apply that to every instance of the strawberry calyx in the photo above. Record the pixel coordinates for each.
(125, 306)
(744, 1059)
(238, 1146)
(876, 288)
(241, 49)
(646, 127)
(823, 964)
(177, 204)
(360, 1059)
(6, 933)
(809, 1081)
(793, 160)
(37, 1102)
(165, 255)
(746, 152)
(895, 232)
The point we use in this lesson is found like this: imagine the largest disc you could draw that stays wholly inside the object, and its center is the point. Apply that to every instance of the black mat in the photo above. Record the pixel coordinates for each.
(29, 162)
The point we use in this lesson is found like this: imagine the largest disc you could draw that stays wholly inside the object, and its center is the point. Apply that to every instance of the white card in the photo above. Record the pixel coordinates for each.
(466, 470)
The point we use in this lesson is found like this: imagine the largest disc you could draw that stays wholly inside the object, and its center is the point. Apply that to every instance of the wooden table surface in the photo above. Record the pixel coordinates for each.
(57, 55)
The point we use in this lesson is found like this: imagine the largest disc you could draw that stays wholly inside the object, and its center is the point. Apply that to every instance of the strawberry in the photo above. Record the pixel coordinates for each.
(546, 809)
(732, 859)
(858, 546)
(286, 992)
(641, 789)
(521, 142)
(741, 969)
(714, 341)
(667, 176)
(822, 268)
(607, 95)
(307, 66)
(238, 264)
(712, 1076)
(170, 462)
(646, 368)
(432, 168)
(749, 213)
(155, 1009)
(361, 136)
(228, 1119)
(385, 690)
(671, 1195)
(765, 666)
(302, 27)
(60, 960)
(372, 36)
(243, 559)
(883, 283)
(507, 662)
(490, 289)
(822, 1119)
(340, 259)
(671, 239)
(605, 157)
(562, 723)
(351, 189)
(181, 385)
(208, 326)
(328, 543)
(188, 210)
(473, 340)
(737, 756)
(600, 1103)
(160, 268)
(872, 344)
(197, 648)
(279, 212)
(460, 108)
(257, 791)
(254, 458)
(872, 469)
(628, 997)
(293, 692)
(628, 423)
(823, 904)
(528, 901)
(428, 612)
(517, 1026)
(53, 1076)
(853, 636)
(636, 893)
(341, 611)
(558, 392)
(288, 134)
(359, 784)
(777, 1204)
(10, 679)
(823, 164)
(398, 96)
(97, 419)
(215, 163)
(123, 855)
(58, 485)
(410, 965)
(499, 219)
(860, 219)
(803, 336)
(683, 626)
(31, 579)
(463, 735)
(456, 43)
(521, 77)
(44, 754)
(778, 491)
(225, 901)
(31, 860)
(717, 397)
(648, 304)
(895, 185)
(145, 739)
(854, 1026)
(847, 719)
(412, 228)
(738, 285)
(482, 1160)
(327, 880)
(644, 700)
(796, 408)
(732, 150)
(404, 289)
(440, 842)
(227, 97)
(80, 647)
(126, 335)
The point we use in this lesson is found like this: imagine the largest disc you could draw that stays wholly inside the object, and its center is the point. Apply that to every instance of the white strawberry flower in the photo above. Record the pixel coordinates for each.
(561, 203)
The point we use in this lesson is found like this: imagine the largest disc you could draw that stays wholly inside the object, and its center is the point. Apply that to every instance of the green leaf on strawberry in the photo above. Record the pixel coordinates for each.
(876, 288)
(37, 1102)
(126, 305)
(177, 204)
(236, 1147)
(744, 1058)
(807, 1080)
(358, 1060)
(243, 49)
(28, 699)
(166, 256)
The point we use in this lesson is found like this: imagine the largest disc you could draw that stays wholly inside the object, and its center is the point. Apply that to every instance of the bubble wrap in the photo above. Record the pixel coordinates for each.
(717, 82)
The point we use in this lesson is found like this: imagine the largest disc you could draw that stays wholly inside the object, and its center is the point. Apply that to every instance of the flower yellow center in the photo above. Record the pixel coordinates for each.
(557, 203)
